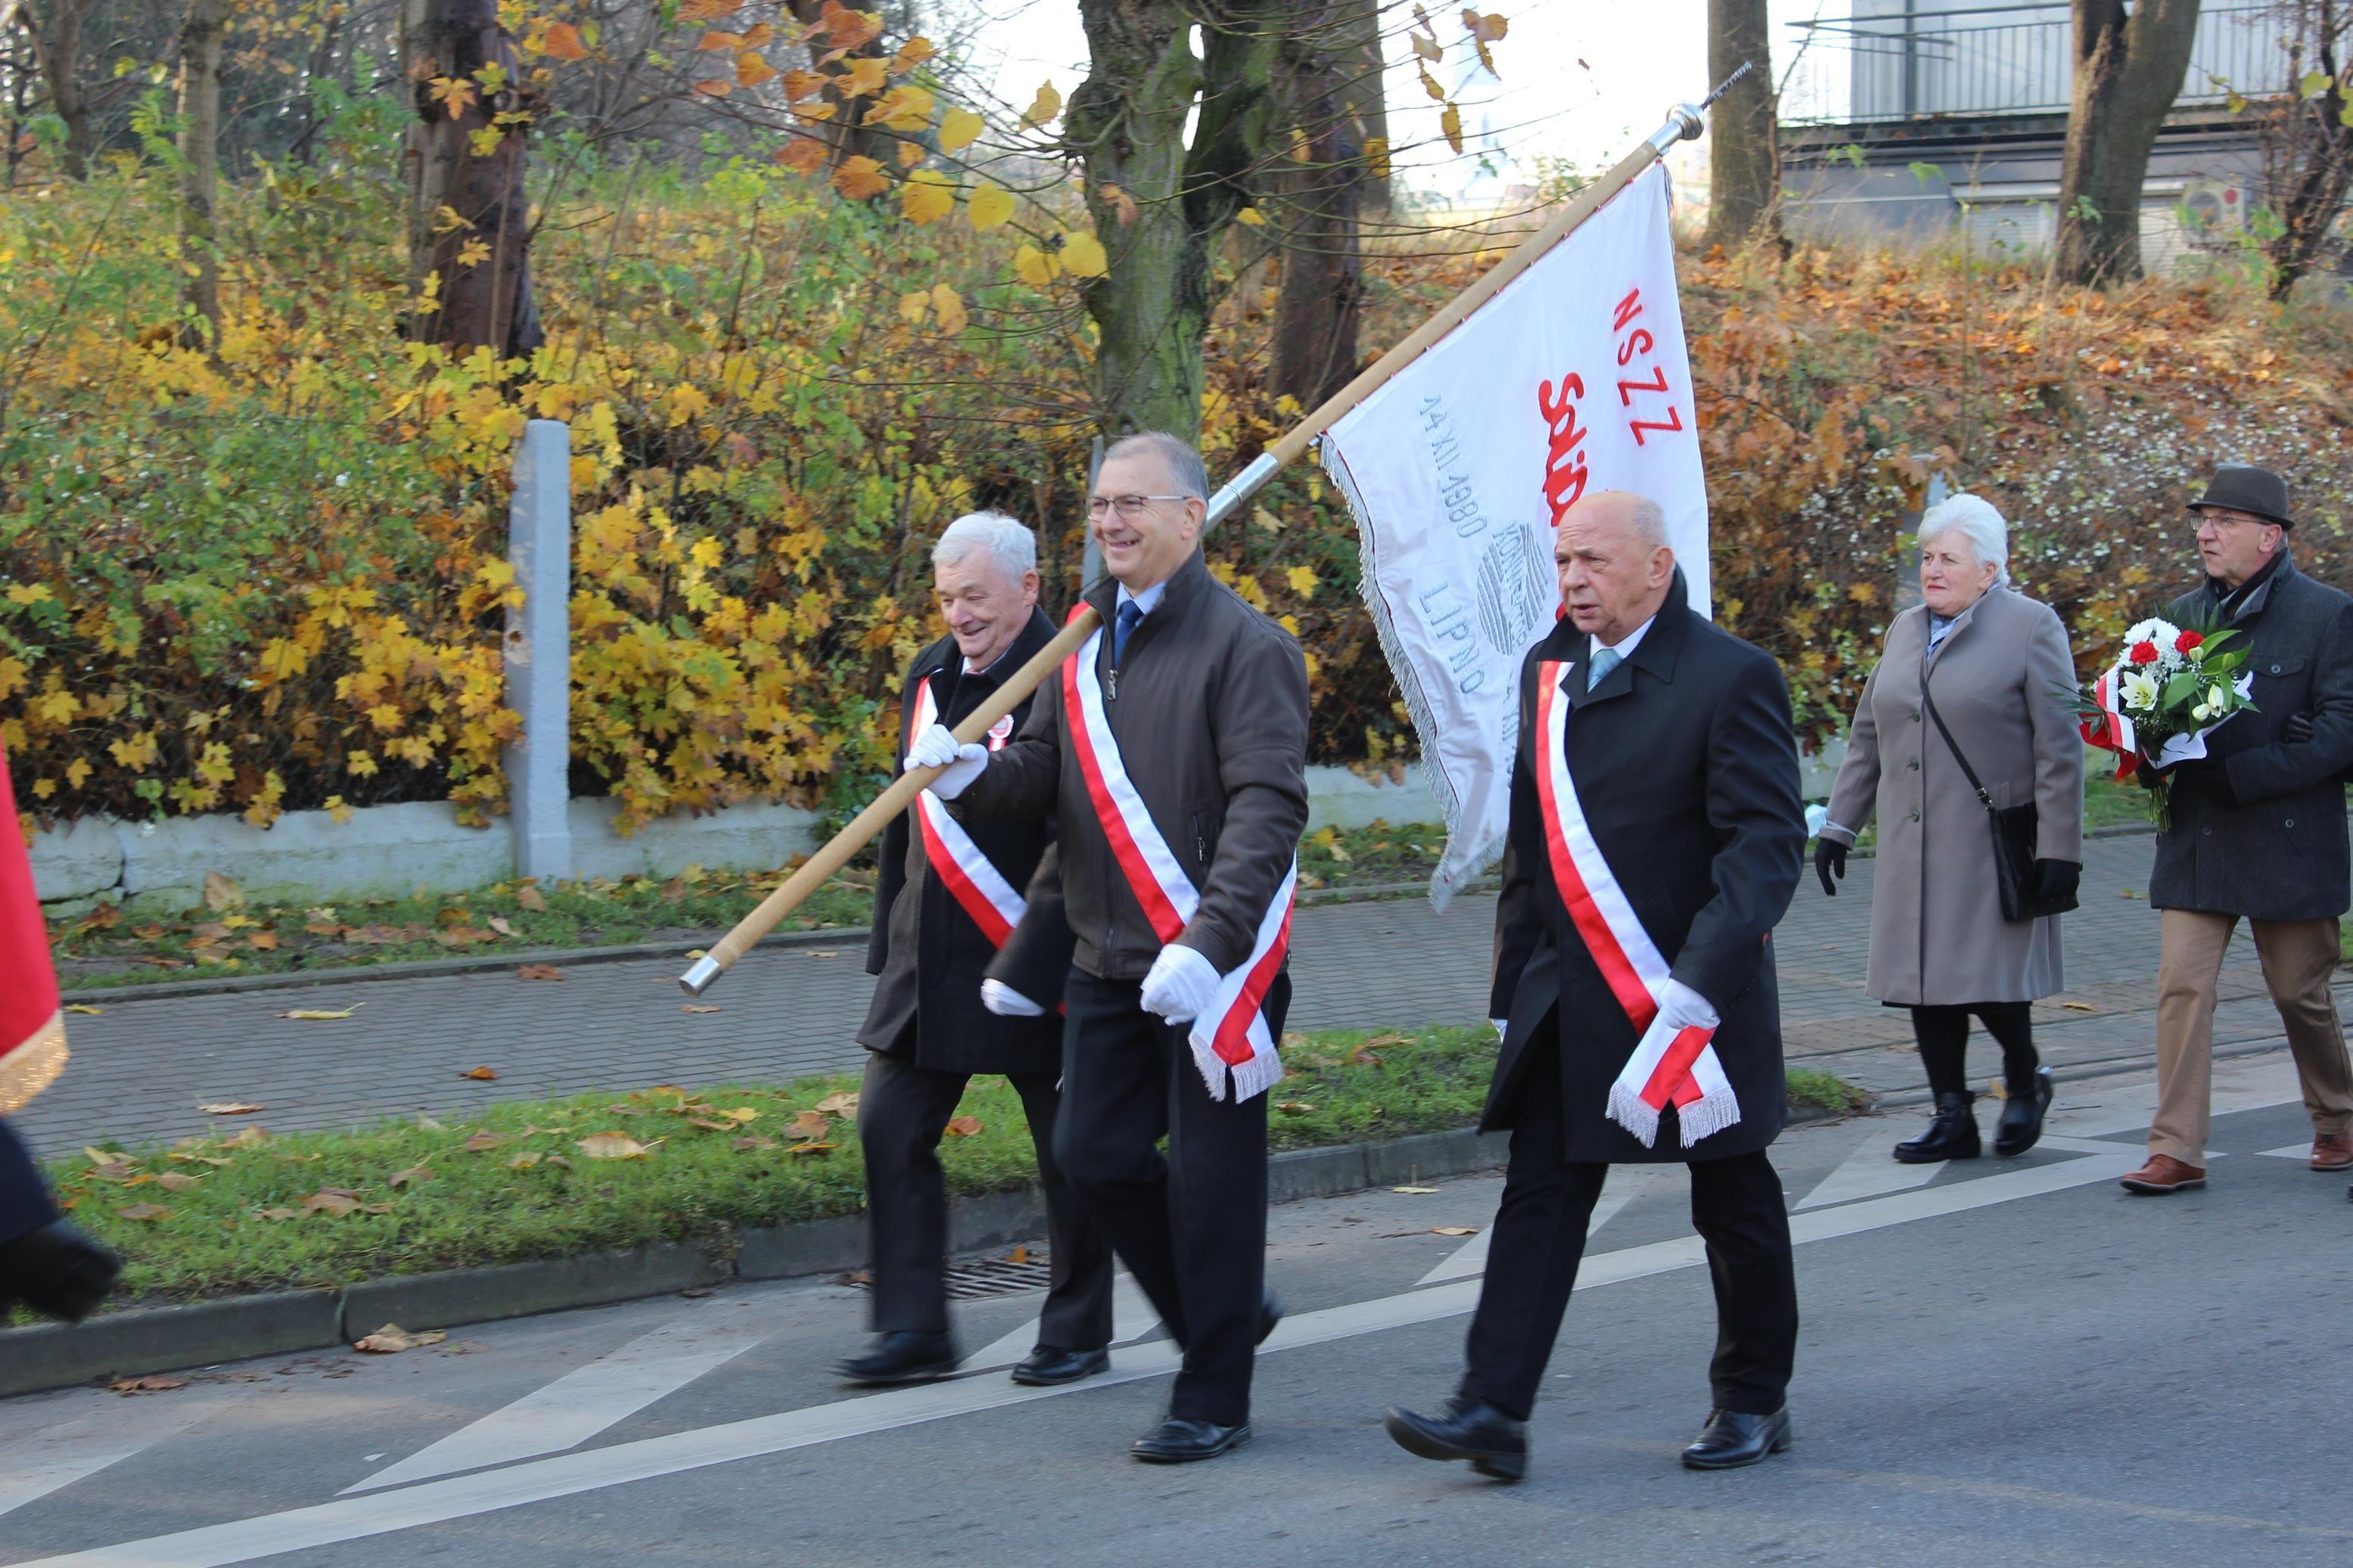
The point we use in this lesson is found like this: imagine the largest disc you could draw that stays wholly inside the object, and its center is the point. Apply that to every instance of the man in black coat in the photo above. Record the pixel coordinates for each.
(1655, 840)
(2257, 831)
(945, 902)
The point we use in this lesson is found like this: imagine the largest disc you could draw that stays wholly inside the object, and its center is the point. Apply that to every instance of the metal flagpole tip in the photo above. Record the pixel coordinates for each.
(1684, 123)
(697, 979)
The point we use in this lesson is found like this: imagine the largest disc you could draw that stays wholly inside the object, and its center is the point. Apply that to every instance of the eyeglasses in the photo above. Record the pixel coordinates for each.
(1129, 507)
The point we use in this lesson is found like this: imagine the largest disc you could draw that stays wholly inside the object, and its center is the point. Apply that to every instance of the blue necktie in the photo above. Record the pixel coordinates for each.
(1605, 660)
(1129, 613)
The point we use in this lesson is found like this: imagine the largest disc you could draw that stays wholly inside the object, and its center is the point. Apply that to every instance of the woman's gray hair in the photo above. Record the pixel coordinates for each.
(1975, 519)
(1012, 546)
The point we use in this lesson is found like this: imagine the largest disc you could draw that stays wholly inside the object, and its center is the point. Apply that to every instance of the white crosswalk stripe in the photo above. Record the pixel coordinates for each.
(1131, 1318)
(33, 1467)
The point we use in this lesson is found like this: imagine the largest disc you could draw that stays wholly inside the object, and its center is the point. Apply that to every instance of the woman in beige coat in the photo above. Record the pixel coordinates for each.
(1998, 666)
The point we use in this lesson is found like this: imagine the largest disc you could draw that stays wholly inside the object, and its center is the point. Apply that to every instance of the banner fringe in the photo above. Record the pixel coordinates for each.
(1632, 1112)
(1250, 1078)
(1710, 1114)
(33, 1066)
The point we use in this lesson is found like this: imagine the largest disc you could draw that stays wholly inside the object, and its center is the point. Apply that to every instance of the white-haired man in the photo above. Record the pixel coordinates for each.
(946, 906)
(1656, 835)
(1174, 749)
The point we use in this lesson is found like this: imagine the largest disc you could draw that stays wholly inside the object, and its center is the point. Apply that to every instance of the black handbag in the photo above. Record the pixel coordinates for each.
(2015, 832)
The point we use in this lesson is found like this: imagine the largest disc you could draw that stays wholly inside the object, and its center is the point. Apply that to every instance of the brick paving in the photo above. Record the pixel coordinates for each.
(141, 1067)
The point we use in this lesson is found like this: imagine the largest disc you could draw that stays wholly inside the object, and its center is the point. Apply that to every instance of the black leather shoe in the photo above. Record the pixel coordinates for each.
(2021, 1126)
(58, 1271)
(1952, 1136)
(1734, 1437)
(1270, 1313)
(1471, 1429)
(1050, 1364)
(1178, 1441)
(901, 1357)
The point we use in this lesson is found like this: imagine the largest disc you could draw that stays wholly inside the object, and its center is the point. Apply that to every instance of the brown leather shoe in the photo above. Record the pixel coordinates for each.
(2332, 1151)
(2164, 1173)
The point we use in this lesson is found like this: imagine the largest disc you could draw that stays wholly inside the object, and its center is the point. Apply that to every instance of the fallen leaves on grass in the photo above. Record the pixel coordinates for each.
(177, 1181)
(1295, 1108)
(414, 1173)
(480, 1075)
(392, 1339)
(539, 972)
(332, 1201)
(844, 1103)
(143, 1211)
(532, 898)
(499, 924)
(817, 1148)
(614, 1146)
(482, 1140)
(322, 1015)
(248, 1136)
(154, 1383)
(747, 1145)
(220, 893)
(231, 1108)
(964, 1127)
(814, 1123)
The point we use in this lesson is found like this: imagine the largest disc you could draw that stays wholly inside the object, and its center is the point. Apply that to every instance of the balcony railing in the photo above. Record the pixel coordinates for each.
(1873, 68)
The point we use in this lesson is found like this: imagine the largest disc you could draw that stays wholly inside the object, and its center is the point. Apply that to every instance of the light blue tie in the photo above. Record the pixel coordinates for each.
(1605, 660)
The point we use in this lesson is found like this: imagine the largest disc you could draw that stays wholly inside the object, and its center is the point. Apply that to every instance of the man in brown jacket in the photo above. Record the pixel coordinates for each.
(1172, 751)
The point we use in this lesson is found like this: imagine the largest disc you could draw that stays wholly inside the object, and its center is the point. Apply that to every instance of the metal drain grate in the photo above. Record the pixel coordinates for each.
(978, 1277)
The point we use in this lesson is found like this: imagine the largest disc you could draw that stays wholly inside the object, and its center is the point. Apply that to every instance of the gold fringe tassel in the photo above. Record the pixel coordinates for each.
(33, 1066)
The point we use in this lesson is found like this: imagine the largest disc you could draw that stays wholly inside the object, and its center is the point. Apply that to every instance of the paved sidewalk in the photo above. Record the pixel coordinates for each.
(141, 1067)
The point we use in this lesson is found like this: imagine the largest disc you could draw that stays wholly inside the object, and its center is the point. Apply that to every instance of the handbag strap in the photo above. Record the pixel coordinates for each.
(1929, 701)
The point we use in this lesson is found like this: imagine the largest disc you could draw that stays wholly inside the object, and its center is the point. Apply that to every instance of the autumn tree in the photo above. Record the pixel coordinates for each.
(2308, 140)
(2128, 67)
(469, 213)
(201, 41)
(1744, 149)
(49, 37)
(1315, 195)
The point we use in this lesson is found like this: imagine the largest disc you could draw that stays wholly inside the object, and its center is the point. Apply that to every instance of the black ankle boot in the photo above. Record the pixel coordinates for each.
(1952, 1136)
(2021, 1125)
(59, 1271)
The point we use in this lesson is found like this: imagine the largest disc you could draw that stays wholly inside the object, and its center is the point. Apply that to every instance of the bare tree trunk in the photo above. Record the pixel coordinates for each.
(1744, 148)
(2128, 70)
(1319, 304)
(469, 218)
(201, 33)
(61, 35)
(1127, 122)
(1364, 101)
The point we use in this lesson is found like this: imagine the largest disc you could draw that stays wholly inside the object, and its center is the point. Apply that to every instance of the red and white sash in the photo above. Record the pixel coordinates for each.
(1679, 1066)
(975, 883)
(1232, 1034)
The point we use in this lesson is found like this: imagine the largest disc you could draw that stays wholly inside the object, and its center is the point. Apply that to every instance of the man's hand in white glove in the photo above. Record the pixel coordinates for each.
(1503, 1026)
(1680, 1008)
(936, 748)
(1006, 1003)
(1181, 985)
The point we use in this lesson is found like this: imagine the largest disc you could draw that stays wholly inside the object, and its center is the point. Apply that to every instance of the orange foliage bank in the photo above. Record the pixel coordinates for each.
(273, 578)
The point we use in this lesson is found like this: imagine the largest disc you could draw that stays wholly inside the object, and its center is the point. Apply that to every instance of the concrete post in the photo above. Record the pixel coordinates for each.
(539, 650)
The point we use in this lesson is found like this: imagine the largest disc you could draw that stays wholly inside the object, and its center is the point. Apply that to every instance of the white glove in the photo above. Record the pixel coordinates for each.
(1006, 1003)
(936, 748)
(1680, 1008)
(1503, 1026)
(1181, 985)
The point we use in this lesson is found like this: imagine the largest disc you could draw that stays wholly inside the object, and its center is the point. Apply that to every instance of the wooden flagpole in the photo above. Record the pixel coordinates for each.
(1684, 123)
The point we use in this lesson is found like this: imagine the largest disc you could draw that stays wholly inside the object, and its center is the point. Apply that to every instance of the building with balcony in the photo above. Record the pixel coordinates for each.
(1945, 119)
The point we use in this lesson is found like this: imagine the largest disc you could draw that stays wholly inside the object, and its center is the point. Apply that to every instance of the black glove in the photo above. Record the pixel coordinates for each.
(2056, 881)
(2299, 729)
(1829, 860)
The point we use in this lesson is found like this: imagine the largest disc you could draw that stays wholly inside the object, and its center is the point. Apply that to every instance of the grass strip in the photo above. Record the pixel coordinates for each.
(112, 946)
(520, 1180)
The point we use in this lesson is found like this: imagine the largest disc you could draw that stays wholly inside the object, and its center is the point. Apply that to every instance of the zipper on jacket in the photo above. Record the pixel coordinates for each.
(1200, 846)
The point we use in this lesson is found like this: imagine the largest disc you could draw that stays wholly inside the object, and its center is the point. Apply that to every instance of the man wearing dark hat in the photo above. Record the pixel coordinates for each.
(2257, 831)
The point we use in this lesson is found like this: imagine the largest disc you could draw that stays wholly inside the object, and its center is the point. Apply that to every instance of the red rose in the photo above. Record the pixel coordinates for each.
(2187, 641)
(2144, 653)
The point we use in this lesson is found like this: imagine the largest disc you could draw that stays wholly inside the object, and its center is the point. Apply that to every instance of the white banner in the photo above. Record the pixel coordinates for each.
(1571, 381)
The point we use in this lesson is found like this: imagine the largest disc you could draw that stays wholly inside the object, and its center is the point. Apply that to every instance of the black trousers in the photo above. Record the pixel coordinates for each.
(25, 1203)
(1539, 1239)
(902, 1113)
(1943, 1037)
(1192, 1227)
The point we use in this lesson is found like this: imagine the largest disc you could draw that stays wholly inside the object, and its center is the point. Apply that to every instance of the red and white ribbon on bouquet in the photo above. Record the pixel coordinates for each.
(1232, 1034)
(2109, 729)
(994, 905)
(1669, 1065)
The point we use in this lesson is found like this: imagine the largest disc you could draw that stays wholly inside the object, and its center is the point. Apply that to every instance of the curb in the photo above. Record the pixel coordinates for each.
(154, 1339)
(485, 963)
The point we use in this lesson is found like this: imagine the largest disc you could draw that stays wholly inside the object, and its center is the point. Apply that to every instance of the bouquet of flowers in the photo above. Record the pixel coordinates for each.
(2158, 702)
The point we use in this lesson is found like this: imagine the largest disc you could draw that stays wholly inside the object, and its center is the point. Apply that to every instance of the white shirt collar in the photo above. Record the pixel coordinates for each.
(1626, 649)
(1146, 601)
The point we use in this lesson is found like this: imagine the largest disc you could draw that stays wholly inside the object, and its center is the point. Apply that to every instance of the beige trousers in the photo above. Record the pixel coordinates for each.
(2300, 958)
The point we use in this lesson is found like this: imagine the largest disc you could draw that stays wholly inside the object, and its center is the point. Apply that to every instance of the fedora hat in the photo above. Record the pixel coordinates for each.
(2249, 489)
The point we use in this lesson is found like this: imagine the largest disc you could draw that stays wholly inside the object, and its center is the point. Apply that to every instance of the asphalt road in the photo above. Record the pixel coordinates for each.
(2009, 1361)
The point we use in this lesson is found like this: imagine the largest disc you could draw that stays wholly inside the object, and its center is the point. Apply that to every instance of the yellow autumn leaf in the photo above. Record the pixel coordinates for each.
(1303, 581)
(751, 69)
(1377, 157)
(28, 593)
(1082, 256)
(1034, 267)
(914, 307)
(948, 305)
(927, 196)
(282, 659)
(959, 129)
(1451, 122)
(613, 1146)
(989, 206)
(1043, 110)
(1251, 217)
(861, 76)
(906, 107)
